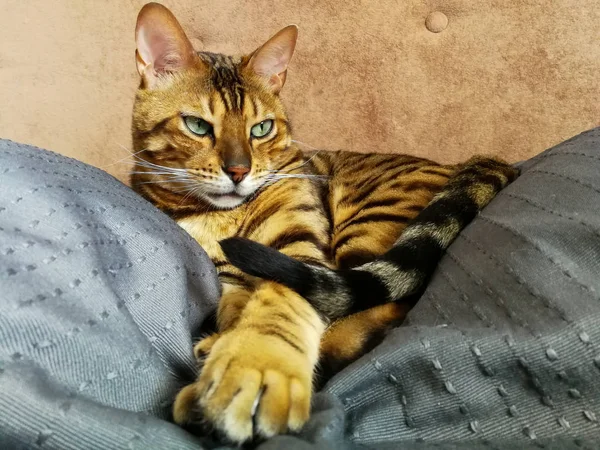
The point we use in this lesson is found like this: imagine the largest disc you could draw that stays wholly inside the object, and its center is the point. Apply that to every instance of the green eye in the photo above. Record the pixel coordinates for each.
(262, 129)
(197, 125)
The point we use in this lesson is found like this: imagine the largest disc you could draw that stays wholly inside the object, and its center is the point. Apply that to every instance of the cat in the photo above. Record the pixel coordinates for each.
(347, 236)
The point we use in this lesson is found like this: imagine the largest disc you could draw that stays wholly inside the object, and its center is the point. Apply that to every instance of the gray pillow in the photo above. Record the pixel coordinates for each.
(101, 294)
(505, 342)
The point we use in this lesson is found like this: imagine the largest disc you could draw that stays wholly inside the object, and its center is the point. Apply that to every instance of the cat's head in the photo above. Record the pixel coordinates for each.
(209, 128)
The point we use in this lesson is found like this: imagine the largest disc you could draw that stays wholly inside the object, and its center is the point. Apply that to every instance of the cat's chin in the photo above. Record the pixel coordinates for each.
(225, 201)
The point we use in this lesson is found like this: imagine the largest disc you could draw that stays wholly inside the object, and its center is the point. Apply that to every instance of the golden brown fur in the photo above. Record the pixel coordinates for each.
(270, 338)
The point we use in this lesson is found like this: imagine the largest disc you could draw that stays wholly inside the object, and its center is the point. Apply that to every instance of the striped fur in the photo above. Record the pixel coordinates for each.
(340, 237)
(399, 273)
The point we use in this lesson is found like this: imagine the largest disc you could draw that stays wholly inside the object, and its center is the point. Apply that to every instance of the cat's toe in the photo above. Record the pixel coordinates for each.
(204, 346)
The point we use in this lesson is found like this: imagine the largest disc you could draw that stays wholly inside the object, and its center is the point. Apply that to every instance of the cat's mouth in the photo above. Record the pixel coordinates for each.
(229, 195)
(226, 200)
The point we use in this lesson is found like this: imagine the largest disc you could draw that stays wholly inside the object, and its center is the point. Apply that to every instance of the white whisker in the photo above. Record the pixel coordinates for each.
(300, 165)
(127, 157)
(192, 191)
(144, 162)
(153, 172)
(168, 176)
(304, 143)
(188, 183)
(150, 165)
(299, 175)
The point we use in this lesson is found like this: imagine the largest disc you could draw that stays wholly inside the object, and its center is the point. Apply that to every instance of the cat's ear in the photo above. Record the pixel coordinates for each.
(271, 60)
(162, 46)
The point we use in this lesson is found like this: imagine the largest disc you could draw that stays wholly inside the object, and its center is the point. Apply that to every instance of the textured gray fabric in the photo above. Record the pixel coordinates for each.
(502, 351)
(505, 343)
(99, 293)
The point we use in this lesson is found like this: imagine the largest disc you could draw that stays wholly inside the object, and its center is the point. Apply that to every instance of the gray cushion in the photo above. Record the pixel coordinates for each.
(102, 294)
(505, 342)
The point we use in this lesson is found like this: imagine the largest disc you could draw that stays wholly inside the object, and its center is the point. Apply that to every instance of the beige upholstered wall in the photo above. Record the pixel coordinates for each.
(510, 77)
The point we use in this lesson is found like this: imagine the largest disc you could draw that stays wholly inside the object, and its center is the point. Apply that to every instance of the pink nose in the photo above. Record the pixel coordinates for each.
(237, 173)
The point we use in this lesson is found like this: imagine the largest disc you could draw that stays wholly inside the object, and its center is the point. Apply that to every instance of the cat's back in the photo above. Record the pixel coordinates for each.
(340, 164)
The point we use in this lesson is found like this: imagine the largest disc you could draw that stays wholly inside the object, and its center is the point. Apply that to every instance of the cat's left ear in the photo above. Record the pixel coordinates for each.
(271, 60)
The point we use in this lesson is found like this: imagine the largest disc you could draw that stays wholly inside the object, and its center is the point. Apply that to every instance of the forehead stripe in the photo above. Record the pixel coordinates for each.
(211, 104)
(225, 95)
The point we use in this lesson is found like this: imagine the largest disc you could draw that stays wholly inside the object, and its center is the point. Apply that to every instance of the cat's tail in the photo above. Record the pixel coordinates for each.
(402, 271)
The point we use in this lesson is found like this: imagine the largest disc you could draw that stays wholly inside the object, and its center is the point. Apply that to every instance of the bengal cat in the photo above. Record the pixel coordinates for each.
(214, 151)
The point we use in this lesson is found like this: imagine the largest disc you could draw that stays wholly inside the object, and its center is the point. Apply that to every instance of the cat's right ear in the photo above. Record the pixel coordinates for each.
(271, 60)
(162, 46)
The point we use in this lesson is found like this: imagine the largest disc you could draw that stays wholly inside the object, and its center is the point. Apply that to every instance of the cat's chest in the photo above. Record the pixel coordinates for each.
(208, 230)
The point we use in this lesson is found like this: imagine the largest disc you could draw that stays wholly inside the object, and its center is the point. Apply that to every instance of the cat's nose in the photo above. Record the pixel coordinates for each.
(236, 173)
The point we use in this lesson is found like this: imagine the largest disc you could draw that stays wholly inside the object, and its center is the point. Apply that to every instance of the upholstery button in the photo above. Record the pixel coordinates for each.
(436, 22)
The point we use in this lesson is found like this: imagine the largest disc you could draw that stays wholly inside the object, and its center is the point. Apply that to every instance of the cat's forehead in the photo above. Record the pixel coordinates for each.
(224, 70)
(226, 79)
(220, 62)
(229, 91)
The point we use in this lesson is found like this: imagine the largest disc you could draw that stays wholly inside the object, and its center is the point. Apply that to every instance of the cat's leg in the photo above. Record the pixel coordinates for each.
(235, 296)
(257, 378)
(347, 339)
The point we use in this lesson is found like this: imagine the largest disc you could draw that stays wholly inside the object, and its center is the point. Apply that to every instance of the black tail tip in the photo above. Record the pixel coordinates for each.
(249, 256)
(268, 263)
(241, 251)
(235, 244)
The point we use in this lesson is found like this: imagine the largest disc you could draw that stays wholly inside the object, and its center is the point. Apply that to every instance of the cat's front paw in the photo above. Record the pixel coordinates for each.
(251, 385)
